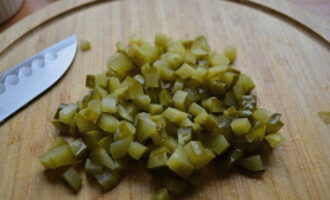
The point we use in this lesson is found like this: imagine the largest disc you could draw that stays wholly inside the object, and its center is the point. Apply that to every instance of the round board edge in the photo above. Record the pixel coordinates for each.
(316, 24)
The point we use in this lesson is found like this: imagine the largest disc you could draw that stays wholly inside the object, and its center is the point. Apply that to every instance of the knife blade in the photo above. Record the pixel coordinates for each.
(22, 83)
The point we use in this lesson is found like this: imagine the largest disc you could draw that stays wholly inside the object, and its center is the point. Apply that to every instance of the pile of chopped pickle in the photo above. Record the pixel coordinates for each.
(176, 105)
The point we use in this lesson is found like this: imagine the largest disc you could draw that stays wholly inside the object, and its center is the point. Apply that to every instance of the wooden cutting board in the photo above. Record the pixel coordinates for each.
(285, 50)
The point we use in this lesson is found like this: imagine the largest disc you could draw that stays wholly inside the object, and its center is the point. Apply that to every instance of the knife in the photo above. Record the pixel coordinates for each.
(22, 83)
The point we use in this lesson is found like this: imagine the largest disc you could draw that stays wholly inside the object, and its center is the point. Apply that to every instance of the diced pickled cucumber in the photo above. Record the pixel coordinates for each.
(174, 105)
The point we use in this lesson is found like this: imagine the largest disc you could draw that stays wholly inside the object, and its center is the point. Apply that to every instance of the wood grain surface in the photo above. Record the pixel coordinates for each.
(295, 15)
(320, 7)
(288, 61)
